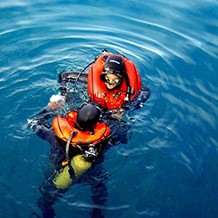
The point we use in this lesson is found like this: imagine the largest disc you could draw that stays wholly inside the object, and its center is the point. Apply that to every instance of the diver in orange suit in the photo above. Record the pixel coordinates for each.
(78, 141)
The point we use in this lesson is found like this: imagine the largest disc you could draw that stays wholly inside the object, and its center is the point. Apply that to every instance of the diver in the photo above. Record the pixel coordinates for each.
(113, 82)
(114, 87)
(77, 140)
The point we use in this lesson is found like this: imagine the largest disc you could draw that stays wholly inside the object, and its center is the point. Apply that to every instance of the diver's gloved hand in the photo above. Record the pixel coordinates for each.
(117, 113)
(32, 124)
(56, 102)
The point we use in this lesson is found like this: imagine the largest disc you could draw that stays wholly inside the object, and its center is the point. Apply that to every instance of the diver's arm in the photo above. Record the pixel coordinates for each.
(39, 124)
(139, 100)
(45, 114)
(71, 76)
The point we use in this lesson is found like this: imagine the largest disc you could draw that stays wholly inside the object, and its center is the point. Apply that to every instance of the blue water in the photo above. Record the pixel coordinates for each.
(169, 166)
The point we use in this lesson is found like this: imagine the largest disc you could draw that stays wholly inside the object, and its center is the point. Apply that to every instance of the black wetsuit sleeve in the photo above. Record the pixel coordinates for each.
(139, 100)
(45, 114)
(40, 125)
(67, 77)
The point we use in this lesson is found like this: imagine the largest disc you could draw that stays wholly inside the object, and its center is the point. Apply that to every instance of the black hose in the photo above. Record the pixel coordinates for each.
(84, 69)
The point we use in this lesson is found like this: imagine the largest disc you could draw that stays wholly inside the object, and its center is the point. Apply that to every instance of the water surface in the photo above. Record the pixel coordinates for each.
(169, 166)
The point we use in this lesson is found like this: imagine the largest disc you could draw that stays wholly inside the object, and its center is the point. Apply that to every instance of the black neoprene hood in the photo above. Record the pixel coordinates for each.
(88, 115)
(114, 62)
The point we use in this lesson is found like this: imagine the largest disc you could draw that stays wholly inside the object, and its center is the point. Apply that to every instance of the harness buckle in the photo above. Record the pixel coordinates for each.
(91, 152)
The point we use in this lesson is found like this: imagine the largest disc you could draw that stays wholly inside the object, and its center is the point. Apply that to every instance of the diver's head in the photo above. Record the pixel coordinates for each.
(113, 72)
(88, 115)
(115, 62)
